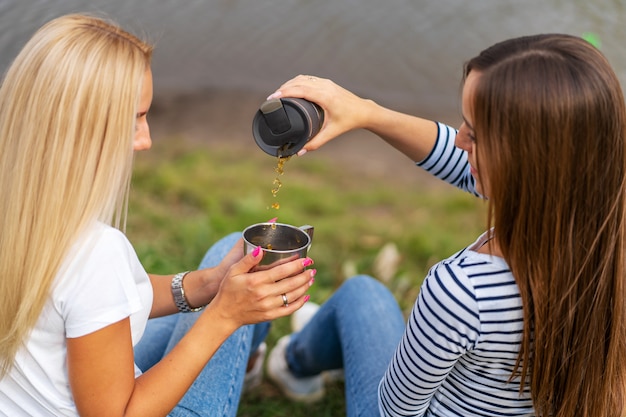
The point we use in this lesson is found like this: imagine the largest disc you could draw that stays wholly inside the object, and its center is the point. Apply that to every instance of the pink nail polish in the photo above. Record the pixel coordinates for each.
(307, 261)
(307, 298)
(256, 251)
(272, 220)
(311, 281)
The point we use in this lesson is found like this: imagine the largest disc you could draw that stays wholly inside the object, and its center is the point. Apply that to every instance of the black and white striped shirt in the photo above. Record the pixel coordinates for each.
(463, 336)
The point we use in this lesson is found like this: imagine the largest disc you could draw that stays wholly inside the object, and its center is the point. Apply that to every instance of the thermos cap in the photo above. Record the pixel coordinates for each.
(281, 127)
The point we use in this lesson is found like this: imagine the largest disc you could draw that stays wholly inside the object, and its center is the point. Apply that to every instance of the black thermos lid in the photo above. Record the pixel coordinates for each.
(281, 127)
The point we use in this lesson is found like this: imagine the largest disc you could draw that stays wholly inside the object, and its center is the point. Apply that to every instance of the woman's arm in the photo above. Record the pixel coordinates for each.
(345, 111)
(429, 144)
(101, 364)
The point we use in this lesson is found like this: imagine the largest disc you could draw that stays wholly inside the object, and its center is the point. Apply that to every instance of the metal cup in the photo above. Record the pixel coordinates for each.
(280, 242)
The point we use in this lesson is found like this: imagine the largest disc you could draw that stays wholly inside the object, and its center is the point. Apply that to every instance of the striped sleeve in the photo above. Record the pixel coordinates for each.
(449, 163)
(443, 325)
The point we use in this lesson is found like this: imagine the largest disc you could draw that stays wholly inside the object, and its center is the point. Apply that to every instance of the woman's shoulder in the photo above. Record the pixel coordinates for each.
(480, 284)
(472, 256)
(475, 274)
(108, 234)
(473, 290)
(102, 240)
(100, 246)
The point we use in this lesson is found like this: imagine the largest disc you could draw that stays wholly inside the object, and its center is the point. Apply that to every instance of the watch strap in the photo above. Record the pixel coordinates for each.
(179, 294)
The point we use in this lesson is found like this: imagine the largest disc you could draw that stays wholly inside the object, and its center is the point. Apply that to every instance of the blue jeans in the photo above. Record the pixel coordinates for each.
(357, 329)
(217, 389)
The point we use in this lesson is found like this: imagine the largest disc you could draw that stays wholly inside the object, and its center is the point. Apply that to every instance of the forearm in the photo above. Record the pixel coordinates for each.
(413, 136)
(180, 367)
(101, 371)
(200, 288)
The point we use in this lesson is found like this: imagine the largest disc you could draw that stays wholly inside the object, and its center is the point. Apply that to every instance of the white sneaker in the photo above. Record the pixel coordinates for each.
(254, 376)
(303, 315)
(305, 389)
(299, 319)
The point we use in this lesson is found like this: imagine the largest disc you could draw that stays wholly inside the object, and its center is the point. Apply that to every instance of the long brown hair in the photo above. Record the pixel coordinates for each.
(550, 122)
(68, 108)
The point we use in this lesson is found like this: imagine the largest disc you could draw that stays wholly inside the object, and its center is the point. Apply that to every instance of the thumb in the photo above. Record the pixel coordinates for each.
(327, 133)
(248, 262)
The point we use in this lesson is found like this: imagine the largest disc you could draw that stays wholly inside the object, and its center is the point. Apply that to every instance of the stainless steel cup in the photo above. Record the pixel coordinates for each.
(280, 242)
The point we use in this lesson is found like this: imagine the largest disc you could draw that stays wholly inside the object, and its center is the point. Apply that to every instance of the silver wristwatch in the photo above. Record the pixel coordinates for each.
(179, 294)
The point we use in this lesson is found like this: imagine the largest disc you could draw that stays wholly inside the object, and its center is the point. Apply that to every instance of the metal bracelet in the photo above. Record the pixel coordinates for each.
(179, 294)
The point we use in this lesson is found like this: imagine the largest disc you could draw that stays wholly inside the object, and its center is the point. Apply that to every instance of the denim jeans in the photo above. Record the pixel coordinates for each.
(357, 329)
(217, 389)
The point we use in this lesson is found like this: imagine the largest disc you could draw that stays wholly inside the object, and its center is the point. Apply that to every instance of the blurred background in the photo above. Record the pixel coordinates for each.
(374, 212)
(216, 60)
(404, 53)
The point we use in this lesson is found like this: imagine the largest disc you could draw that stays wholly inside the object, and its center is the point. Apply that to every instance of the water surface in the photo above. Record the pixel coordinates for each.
(404, 53)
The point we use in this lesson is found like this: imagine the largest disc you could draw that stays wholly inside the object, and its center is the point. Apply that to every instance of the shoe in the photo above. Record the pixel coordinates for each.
(299, 319)
(303, 315)
(254, 376)
(304, 389)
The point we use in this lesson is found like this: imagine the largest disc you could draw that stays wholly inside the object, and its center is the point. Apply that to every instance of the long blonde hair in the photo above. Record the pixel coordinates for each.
(68, 107)
(550, 125)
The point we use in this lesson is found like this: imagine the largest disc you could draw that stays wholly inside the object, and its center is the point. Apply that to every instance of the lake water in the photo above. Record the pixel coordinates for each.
(403, 53)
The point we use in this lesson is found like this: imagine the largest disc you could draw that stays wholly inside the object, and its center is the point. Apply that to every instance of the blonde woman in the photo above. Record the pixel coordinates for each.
(530, 318)
(74, 298)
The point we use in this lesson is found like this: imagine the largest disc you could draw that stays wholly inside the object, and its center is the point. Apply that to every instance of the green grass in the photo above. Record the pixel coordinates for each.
(185, 197)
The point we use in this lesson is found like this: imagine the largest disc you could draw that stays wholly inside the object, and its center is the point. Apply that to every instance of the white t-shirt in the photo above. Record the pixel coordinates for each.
(101, 283)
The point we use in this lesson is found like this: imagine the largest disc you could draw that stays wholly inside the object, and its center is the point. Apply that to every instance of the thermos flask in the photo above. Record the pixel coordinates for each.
(281, 127)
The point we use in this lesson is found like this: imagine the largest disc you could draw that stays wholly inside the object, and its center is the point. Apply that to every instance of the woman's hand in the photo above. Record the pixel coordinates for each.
(247, 297)
(232, 257)
(343, 110)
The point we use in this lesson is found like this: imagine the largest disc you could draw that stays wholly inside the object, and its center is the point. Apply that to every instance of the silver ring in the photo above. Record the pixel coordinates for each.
(285, 301)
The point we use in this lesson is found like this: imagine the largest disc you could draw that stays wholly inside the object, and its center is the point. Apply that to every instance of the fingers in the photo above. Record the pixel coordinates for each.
(302, 86)
(324, 136)
(290, 308)
(290, 301)
(292, 289)
(266, 267)
(252, 297)
(268, 275)
(291, 279)
(344, 111)
(248, 262)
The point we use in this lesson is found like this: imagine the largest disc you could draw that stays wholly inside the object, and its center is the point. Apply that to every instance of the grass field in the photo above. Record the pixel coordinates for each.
(185, 197)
